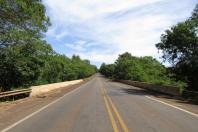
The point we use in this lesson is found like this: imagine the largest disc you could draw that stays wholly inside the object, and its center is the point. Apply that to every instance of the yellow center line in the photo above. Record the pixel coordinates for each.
(123, 125)
(113, 123)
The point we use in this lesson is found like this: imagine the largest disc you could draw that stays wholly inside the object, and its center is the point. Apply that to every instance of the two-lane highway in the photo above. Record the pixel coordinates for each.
(104, 106)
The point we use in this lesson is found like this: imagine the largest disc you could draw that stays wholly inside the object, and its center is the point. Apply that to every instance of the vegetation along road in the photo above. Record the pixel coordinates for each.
(104, 106)
(82, 35)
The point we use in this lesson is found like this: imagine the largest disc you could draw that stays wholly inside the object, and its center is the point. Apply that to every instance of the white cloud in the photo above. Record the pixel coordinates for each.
(96, 57)
(61, 35)
(99, 30)
(67, 10)
(77, 46)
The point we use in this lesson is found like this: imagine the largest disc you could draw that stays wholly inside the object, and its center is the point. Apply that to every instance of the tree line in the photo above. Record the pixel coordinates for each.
(144, 69)
(26, 58)
(178, 45)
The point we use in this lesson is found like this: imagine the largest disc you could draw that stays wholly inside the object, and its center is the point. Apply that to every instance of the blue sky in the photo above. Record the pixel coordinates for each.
(100, 30)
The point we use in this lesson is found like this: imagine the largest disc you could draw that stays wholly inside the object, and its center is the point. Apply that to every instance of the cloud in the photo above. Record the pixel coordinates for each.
(99, 30)
(77, 46)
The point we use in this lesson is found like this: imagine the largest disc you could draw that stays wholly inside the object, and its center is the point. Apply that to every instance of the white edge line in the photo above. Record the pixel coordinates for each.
(193, 114)
(36, 112)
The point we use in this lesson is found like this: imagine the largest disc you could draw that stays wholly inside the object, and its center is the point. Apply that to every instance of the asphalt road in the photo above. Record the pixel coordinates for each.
(104, 106)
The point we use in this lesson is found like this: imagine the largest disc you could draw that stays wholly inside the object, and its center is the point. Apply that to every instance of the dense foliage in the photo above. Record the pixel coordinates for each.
(26, 59)
(34, 64)
(179, 46)
(22, 21)
(146, 69)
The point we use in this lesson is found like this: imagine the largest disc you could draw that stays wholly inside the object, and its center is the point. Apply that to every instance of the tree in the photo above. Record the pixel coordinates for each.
(107, 70)
(35, 64)
(179, 46)
(19, 67)
(22, 21)
(26, 59)
(21, 26)
(145, 69)
(122, 65)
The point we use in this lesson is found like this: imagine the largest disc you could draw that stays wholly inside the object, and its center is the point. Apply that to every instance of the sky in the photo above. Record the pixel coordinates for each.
(100, 30)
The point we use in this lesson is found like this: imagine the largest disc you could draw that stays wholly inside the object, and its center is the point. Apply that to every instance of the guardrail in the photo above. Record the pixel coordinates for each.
(36, 90)
(14, 93)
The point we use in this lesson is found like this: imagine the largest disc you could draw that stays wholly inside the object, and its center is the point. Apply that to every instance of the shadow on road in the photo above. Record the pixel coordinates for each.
(136, 91)
(144, 92)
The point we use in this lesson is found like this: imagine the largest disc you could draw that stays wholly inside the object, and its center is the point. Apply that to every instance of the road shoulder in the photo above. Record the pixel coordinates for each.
(10, 112)
(172, 100)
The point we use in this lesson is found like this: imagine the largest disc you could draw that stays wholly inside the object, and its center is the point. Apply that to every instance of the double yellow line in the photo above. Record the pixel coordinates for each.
(111, 107)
